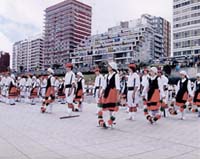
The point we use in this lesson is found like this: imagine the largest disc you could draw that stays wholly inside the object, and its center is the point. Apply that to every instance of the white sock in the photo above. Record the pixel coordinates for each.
(50, 108)
(133, 115)
(69, 111)
(129, 115)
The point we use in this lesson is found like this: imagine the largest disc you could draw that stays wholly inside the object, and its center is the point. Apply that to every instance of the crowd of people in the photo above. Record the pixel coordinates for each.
(149, 90)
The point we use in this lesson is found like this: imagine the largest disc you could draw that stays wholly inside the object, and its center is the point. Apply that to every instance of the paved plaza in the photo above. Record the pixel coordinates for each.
(25, 133)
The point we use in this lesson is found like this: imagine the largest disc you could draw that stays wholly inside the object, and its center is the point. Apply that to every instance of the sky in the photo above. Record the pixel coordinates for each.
(20, 19)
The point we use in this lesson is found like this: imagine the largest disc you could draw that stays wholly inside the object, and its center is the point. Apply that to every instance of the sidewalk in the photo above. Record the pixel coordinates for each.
(25, 133)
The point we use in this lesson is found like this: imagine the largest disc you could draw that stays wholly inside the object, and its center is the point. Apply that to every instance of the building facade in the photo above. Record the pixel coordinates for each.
(140, 40)
(162, 33)
(66, 24)
(28, 54)
(186, 27)
(4, 61)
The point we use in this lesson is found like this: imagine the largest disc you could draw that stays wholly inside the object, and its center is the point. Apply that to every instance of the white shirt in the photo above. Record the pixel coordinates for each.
(144, 80)
(29, 82)
(131, 78)
(22, 82)
(69, 78)
(10, 80)
(43, 84)
(57, 83)
(117, 81)
(38, 83)
(3, 81)
(99, 80)
(164, 80)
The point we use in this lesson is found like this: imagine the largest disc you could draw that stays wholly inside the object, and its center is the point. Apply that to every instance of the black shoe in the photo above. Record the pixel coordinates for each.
(76, 110)
(149, 118)
(105, 126)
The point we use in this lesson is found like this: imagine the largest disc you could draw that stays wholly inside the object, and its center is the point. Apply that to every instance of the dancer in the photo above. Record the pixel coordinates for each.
(133, 85)
(164, 102)
(50, 93)
(69, 87)
(79, 93)
(61, 91)
(110, 96)
(152, 93)
(34, 90)
(12, 89)
(196, 99)
(183, 96)
(98, 85)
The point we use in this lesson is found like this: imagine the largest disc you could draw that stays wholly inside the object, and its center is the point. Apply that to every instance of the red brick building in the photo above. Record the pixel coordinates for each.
(66, 24)
(4, 61)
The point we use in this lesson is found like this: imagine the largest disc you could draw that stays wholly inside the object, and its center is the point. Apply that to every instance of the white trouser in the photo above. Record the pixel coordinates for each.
(69, 98)
(132, 102)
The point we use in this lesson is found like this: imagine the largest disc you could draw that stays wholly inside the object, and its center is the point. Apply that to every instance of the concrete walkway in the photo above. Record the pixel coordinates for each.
(25, 133)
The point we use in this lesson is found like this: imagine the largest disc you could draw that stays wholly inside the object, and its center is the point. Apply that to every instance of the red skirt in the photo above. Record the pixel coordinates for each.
(50, 92)
(185, 98)
(111, 101)
(154, 103)
(197, 100)
(79, 95)
(13, 93)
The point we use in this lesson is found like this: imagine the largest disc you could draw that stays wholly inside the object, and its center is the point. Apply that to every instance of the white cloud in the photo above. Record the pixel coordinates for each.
(5, 43)
(17, 31)
(24, 11)
(26, 17)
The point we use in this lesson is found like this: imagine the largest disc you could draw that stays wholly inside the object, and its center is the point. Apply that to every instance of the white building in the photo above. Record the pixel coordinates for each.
(28, 54)
(186, 27)
(137, 40)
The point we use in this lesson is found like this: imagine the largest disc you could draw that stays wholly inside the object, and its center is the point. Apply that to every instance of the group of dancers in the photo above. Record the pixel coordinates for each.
(149, 90)
(46, 89)
(152, 87)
